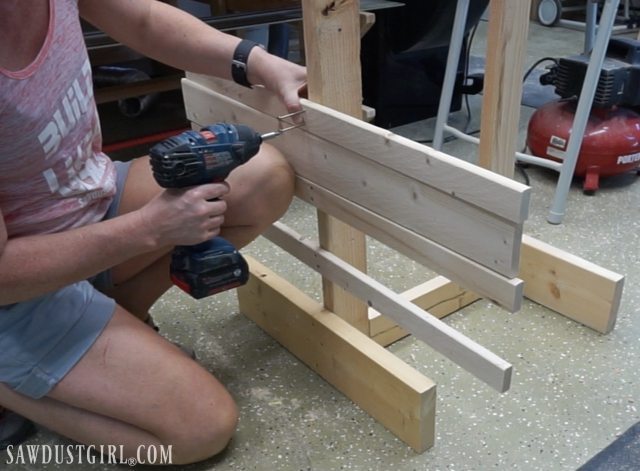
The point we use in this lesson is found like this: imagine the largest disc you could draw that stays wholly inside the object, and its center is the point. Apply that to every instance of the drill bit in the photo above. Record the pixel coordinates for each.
(280, 130)
(270, 135)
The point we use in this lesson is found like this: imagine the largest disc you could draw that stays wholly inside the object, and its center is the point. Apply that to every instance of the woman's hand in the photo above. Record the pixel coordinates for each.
(185, 216)
(285, 78)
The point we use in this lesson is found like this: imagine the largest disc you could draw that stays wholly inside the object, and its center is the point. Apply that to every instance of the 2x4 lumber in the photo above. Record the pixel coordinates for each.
(554, 278)
(502, 93)
(367, 20)
(335, 80)
(570, 285)
(392, 392)
(484, 189)
(439, 296)
(463, 351)
(475, 185)
(507, 292)
(480, 235)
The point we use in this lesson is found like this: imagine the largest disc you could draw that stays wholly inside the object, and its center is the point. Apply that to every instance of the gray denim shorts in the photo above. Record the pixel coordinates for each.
(43, 338)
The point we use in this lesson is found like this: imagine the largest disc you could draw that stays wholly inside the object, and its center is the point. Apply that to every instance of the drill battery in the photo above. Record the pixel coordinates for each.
(208, 268)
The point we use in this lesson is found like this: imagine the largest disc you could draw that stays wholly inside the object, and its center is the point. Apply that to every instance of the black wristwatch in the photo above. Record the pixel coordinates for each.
(239, 62)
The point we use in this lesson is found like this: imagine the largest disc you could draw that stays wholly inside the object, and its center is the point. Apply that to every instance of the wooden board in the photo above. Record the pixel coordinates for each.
(463, 351)
(507, 292)
(335, 80)
(563, 282)
(570, 285)
(442, 217)
(477, 186)
(464, 181)
(506, 47)
(439, 296)
(398, 396)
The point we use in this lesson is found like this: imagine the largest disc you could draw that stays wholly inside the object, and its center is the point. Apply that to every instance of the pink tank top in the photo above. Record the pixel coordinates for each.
(53, 175)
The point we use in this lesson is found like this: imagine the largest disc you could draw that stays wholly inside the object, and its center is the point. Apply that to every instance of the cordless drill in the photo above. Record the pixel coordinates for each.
(195, 158)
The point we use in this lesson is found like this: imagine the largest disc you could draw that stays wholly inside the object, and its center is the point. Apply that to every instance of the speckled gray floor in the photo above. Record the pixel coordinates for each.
(573, 391)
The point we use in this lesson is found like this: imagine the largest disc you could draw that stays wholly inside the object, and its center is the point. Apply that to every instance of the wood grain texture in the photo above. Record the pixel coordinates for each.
(507, 292)
(475, 185)
(462, 180)
(439, 296)
(565, 283)
(488, 239)
(332, 55)
(502, 93)
(570, 285)
(395, 394)
(463, 351)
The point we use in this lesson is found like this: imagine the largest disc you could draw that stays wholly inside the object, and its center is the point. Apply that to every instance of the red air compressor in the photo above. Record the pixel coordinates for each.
(611, 142)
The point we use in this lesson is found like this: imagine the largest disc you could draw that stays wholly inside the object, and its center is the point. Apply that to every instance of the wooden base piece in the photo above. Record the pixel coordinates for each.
(439, 296)
(570, 285)
(392, 392)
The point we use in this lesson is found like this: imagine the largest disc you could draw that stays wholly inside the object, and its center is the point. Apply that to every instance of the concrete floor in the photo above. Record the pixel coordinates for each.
(573, 390)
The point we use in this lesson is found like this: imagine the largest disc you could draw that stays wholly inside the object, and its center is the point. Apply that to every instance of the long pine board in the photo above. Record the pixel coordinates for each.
(463, 351)
(536, 257)
(507, 292)
(439, 296)
(488, 239)
(470, 183)
(559, 280)
(336, 80)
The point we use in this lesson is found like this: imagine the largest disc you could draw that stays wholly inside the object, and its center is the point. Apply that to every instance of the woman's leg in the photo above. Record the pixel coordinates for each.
(134, 388)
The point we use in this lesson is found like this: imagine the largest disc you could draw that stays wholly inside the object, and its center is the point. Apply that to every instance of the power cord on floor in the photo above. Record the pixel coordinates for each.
(519, 166)
(536, 64)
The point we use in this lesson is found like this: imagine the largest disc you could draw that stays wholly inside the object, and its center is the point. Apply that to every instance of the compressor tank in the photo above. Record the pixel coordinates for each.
(611, 142)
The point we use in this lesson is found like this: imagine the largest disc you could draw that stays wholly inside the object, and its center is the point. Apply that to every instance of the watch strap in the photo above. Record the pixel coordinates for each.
(239, 62)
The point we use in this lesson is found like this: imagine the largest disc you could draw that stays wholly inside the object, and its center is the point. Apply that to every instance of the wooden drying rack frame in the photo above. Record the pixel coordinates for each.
(342, 165)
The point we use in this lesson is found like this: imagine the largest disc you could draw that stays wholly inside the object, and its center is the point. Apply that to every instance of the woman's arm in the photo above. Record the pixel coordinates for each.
(34, 265)
(178, 39)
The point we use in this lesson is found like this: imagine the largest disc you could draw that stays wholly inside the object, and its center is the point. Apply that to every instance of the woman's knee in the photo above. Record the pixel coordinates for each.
(260, 191)
(278, 183)
(277, 171)
(200, 427)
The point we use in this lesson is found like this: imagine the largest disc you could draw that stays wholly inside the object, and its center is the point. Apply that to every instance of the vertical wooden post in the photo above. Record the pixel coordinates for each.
(552, 277)
(332, 49)
(506, 46)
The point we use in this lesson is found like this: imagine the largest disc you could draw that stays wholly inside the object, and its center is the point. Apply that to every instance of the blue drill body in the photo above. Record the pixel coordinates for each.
(195, 158)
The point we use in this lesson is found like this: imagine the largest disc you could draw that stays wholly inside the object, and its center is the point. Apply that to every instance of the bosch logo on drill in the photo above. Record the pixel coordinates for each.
(214, 160)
